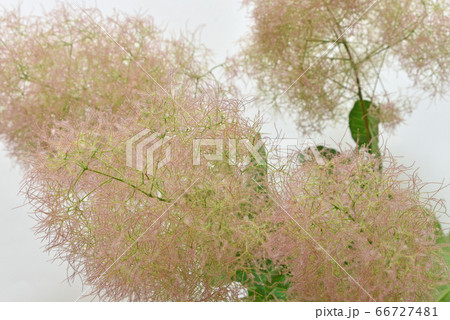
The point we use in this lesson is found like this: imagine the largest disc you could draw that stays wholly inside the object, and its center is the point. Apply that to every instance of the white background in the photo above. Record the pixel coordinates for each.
(26, 274)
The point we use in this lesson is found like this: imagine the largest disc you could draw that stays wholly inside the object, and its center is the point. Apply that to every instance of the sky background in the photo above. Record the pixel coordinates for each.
(27, 273)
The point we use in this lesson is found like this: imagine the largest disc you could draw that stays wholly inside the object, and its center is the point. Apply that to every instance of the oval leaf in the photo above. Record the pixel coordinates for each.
(362, 134)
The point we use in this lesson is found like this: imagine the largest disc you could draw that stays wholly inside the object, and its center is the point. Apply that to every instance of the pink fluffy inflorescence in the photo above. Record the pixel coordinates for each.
(68, 63)
(70, 100)
(178, 233)
(350, 232)
(315, 58)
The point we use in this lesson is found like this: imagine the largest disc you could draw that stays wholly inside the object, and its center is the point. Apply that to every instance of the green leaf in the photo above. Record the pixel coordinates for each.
(358, 129)
(327, 153)
(444, 294)
(257, 173)
(241, 276)
(279, 293)
(257, 170)
(444, 290)
(267, 282)
(324, 152)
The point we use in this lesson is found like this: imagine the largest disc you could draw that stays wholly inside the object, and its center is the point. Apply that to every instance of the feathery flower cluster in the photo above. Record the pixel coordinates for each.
(326, 53)
(375, 227)
(63, 65)
(70, 100)
(179, 234)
